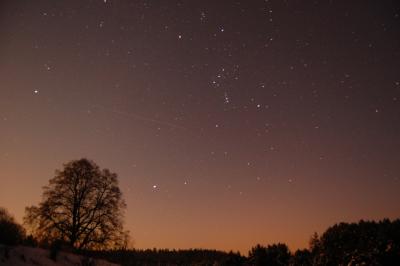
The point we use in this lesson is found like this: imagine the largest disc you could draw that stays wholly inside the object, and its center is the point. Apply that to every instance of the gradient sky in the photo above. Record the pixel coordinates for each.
(229, 123)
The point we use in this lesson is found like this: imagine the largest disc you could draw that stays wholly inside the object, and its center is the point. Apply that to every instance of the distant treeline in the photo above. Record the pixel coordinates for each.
(167, 257)
(363, 243)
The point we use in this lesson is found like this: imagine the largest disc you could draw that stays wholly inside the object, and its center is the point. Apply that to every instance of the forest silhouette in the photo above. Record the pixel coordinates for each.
(82, 212)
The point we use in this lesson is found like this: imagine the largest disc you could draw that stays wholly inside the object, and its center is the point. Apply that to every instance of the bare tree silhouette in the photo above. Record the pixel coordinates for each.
(81, 206)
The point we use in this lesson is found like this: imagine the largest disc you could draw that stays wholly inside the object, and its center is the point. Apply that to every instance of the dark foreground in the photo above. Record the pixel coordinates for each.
(363, 243)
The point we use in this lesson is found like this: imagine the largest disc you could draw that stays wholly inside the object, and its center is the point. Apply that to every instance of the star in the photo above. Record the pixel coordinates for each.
(202, 16)
(226, 98)
(48, 68)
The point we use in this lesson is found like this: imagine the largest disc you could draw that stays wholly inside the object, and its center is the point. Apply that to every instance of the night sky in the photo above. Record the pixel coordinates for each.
(229, 123)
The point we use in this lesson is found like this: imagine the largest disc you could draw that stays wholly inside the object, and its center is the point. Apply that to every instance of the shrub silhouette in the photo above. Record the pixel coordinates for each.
(302, 258)
(11, 233)
(272, 255)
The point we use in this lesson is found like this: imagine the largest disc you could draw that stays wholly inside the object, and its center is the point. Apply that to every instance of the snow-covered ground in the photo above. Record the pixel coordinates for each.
(24, 256)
